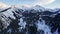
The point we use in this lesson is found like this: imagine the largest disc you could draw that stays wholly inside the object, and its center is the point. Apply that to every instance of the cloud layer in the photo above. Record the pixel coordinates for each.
(43, 2)
(29, 3)
(37, 2)
(2, 5)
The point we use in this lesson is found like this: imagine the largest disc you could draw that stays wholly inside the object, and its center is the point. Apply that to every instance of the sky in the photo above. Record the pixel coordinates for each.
(44, 3)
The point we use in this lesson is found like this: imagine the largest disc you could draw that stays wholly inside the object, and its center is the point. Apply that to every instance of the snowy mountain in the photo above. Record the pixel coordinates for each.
(33, 20)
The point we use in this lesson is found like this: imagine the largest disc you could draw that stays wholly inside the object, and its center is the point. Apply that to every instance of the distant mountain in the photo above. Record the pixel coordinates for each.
(32, 20)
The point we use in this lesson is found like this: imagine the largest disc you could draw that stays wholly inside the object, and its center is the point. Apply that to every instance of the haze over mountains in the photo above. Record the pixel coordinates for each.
(29, 20)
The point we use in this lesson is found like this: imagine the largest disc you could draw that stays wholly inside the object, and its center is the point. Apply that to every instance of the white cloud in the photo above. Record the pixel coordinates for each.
(37, 2)
(29, 3)
(3, 5)
(43, 2)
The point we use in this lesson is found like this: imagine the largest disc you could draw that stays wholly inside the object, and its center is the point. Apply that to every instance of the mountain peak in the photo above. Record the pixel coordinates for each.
(37, 6)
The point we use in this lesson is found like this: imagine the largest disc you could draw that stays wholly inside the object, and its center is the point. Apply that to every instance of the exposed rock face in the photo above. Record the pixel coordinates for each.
(4, 21)
(29, 21)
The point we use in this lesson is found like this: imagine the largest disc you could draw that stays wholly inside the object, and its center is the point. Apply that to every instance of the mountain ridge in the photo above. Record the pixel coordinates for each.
(28, 18)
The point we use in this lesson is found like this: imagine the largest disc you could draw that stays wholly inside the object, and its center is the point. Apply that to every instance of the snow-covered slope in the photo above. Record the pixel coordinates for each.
(33, 20)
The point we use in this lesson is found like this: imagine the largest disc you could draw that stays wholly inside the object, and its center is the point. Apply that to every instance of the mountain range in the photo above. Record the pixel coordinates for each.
(32, 20)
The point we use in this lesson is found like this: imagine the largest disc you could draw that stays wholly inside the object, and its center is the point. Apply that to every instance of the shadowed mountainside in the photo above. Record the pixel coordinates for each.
(36, 20)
